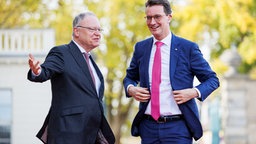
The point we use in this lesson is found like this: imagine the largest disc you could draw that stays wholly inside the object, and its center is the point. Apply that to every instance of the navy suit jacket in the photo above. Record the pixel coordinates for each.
(76, 112)
(186, 62)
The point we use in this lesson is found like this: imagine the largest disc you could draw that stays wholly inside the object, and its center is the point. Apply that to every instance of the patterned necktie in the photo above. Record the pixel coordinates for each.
(89, 67)
(156, 80)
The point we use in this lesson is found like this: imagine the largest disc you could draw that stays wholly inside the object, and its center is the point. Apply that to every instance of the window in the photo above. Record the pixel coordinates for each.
(5, 116)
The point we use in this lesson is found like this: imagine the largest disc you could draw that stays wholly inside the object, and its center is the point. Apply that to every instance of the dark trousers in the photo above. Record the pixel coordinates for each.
(173, 132)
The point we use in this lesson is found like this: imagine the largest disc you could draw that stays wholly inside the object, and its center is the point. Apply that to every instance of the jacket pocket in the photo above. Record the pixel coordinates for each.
(72, 120)
(72, 111)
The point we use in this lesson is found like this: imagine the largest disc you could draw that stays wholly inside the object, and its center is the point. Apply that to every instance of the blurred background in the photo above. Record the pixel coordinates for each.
(225, 31)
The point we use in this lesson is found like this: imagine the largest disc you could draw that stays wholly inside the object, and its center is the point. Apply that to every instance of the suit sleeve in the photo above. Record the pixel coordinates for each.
(132, 72)
(53, 64)
(202, 70)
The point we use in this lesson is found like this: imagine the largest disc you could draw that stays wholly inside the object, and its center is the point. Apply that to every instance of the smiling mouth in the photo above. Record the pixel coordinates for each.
(154, 28)
(96, 38)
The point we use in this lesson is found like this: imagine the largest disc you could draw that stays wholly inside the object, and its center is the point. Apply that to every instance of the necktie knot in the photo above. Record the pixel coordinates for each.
(86, 56)
(159, 44)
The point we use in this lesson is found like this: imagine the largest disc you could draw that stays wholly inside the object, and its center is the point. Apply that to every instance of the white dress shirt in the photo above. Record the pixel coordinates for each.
(168, 106)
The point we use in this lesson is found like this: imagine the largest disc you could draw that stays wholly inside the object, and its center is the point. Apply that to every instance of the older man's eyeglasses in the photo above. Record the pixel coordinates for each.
(156, 18)
(92, 30)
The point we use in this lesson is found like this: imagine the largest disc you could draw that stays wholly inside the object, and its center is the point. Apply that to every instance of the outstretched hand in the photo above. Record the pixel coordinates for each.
(34, 64)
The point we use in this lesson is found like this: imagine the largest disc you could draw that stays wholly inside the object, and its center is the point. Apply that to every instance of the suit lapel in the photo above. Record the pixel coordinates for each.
(78, 56)
(147, 49)
(173, 56)
(101, 89)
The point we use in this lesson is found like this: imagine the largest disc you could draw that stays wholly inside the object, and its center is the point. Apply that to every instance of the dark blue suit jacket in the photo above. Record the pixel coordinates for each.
(186, 62)
(76, 112)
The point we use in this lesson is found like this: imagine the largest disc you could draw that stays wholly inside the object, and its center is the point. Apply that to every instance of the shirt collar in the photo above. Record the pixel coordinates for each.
(81, 48)
(166, 40)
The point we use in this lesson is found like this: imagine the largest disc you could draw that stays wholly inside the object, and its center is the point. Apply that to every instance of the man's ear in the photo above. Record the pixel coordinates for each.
(169, 18)
(75, 32)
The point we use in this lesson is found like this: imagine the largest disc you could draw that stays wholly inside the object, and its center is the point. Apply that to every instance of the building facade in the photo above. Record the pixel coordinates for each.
(23, 104)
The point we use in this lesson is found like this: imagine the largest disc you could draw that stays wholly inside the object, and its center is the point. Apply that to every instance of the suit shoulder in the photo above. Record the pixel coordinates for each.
(62, 47)
(59, 48)
(184, 41)
(145, 41)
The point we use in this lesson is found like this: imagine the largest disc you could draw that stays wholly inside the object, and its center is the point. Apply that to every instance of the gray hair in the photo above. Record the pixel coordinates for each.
(80, 17)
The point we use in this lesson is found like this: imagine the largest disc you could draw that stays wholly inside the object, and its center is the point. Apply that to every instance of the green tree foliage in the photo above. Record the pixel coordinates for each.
(15, 14)
(231, 24)
(57, 15)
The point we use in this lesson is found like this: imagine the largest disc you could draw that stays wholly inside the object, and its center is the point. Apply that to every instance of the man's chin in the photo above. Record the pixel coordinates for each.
(156, 35)
(155, 32)
(96, 45)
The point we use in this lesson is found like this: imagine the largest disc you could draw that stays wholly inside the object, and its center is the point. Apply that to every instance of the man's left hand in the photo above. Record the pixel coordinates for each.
(182, 96)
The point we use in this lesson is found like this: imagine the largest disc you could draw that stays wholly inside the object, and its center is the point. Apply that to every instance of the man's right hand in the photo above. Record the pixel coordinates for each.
(34, 65)
(139, 93)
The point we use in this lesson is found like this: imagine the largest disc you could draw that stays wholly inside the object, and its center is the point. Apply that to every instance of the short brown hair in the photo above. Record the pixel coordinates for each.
(164, 3)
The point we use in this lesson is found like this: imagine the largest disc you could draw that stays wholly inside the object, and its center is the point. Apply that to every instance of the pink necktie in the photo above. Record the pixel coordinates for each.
(89, 67)
(156, 80)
